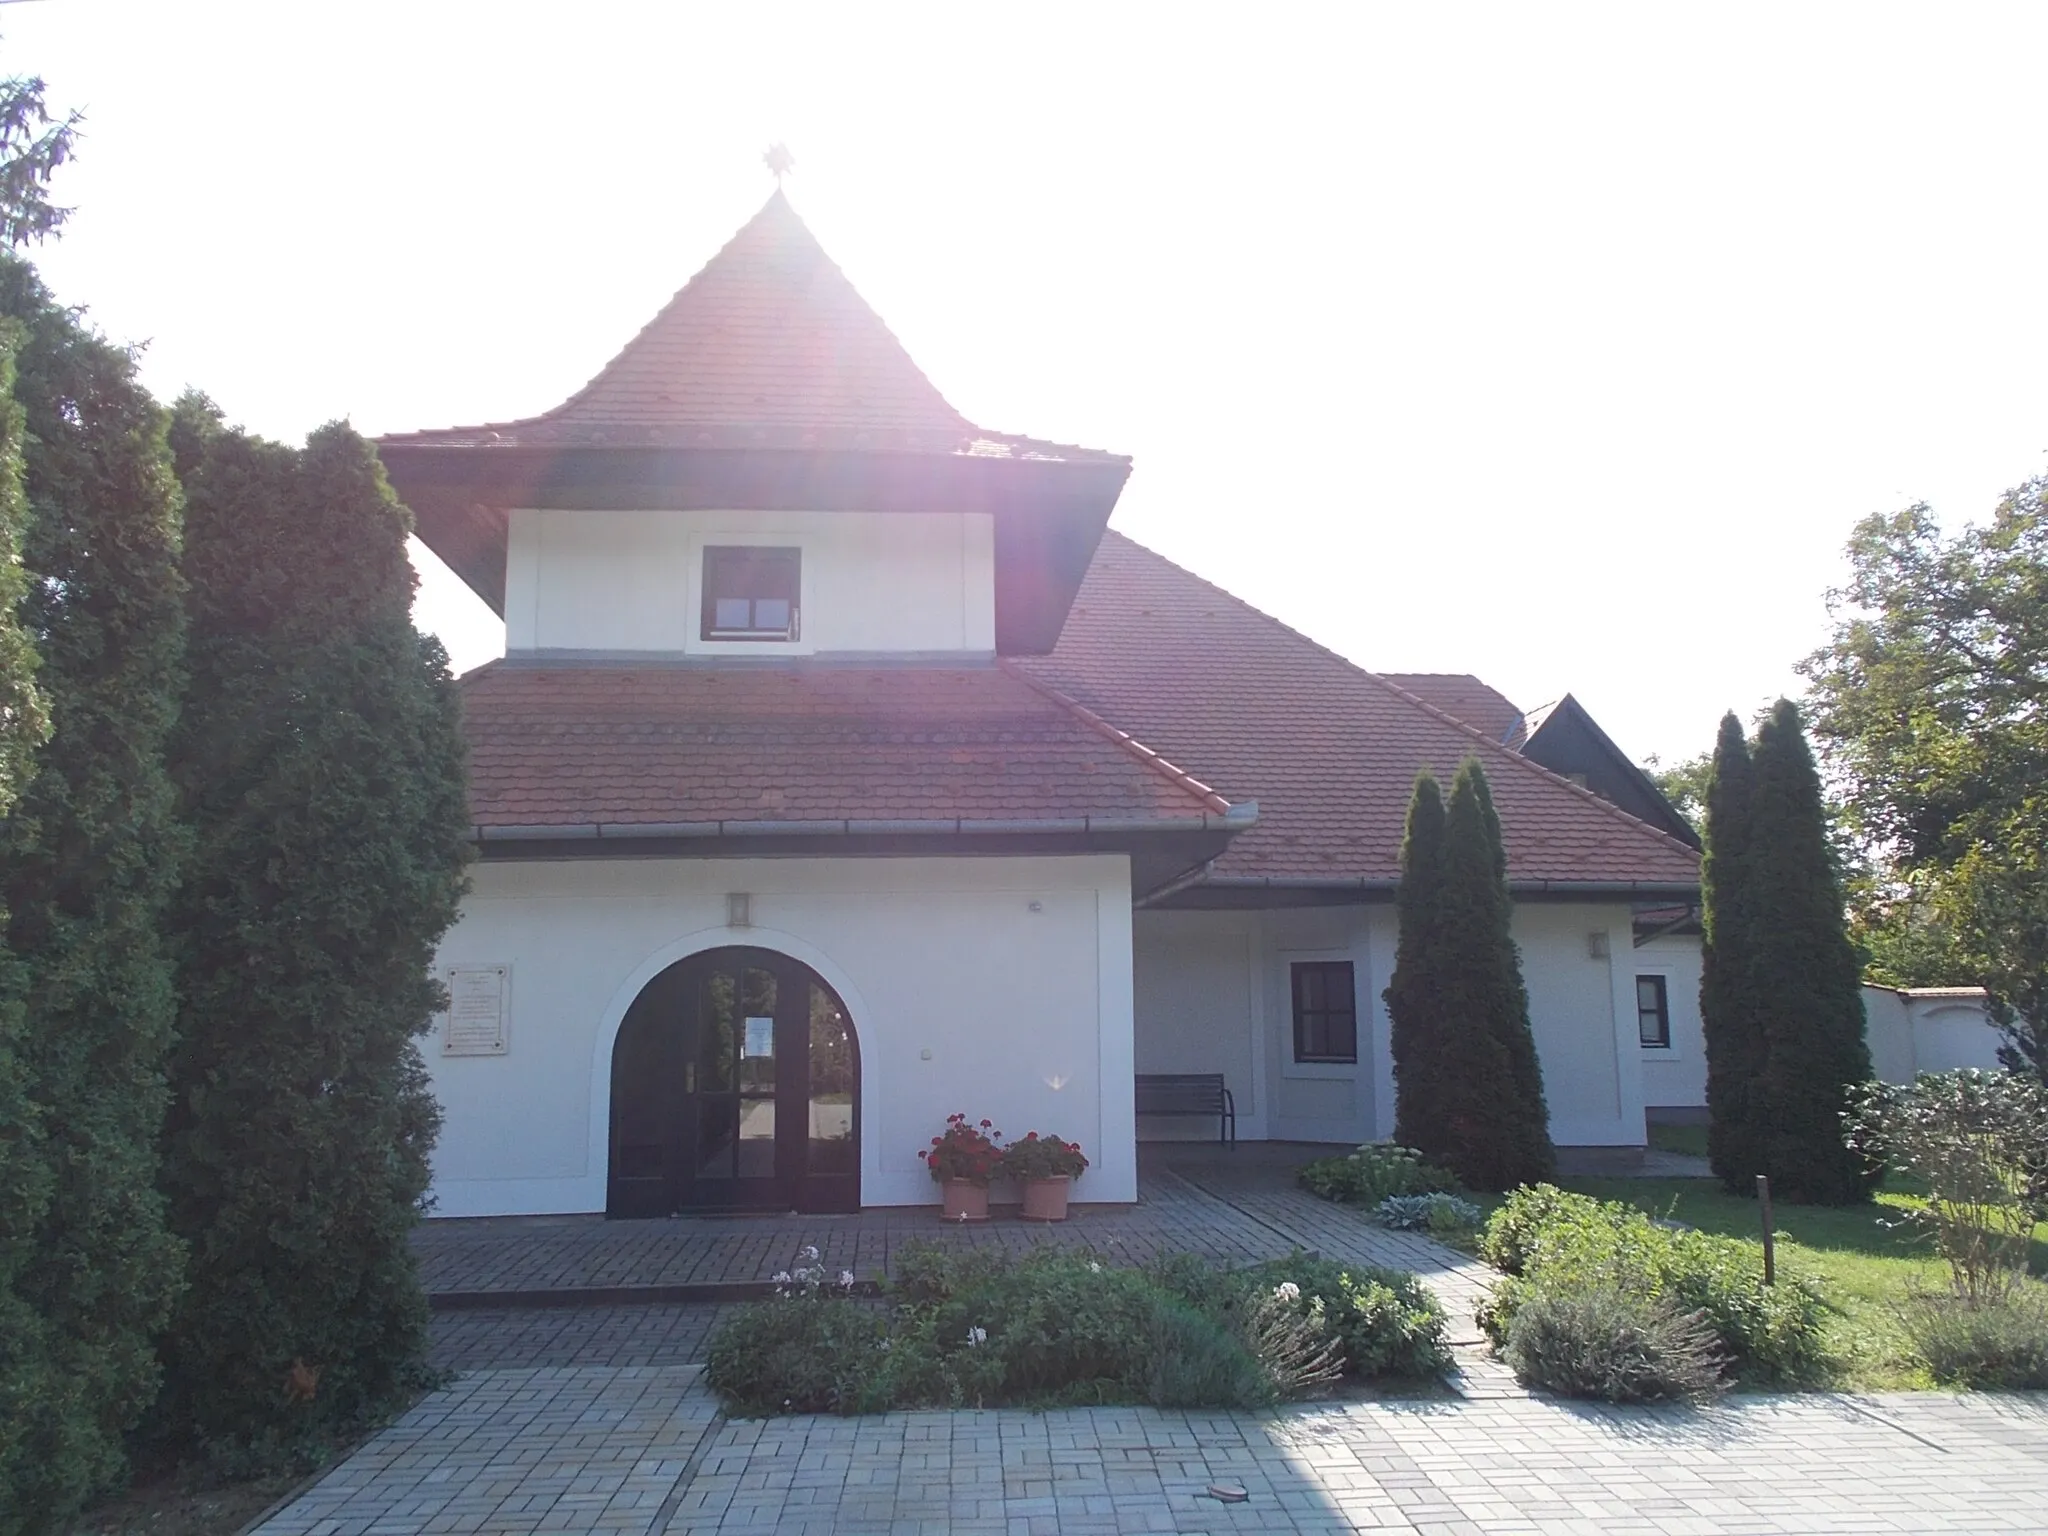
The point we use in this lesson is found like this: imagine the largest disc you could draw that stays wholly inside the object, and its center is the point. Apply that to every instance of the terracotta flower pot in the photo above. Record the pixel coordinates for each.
(965, 1201)
(1046, 1199)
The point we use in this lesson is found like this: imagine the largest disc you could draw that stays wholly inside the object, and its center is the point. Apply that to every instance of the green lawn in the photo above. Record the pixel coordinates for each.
(1864, 1258)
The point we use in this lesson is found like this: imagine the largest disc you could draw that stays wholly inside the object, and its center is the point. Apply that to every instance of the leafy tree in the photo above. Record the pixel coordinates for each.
(321, 766)
(88, 856)
(1729, 1016)
(1931, 705)
(33, 144)
(1469, 1089)
(1684, 784)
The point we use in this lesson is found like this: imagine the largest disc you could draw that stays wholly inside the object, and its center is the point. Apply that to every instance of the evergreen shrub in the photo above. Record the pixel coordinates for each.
(1468, 1085)
(89, 853)
(1613, 1345)
(1559, 1243)
(322, 766)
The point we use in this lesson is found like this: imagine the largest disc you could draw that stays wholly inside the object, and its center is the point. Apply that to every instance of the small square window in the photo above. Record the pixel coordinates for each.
(1325, 1012)
(750, 594)
(1653, 1011)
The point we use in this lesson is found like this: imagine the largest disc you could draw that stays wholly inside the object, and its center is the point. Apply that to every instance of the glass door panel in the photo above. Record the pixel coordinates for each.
(832, 1148)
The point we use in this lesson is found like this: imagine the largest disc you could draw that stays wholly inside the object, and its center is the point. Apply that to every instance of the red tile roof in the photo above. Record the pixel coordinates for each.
(1328, 750)
(1463, 697)
(620, 744)
(768, 346)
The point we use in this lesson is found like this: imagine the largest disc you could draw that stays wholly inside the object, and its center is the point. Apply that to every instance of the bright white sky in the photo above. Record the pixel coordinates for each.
(1559, 344)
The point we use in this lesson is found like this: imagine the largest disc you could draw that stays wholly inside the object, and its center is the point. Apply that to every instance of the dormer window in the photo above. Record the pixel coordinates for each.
(750, 593)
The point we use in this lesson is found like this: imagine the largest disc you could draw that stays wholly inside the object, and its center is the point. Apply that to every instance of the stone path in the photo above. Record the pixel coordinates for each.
(1234, 1208)
(495, 1338)
(640, 1451)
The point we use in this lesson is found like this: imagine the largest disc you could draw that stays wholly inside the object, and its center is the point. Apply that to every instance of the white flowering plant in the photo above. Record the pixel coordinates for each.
(808, 1278)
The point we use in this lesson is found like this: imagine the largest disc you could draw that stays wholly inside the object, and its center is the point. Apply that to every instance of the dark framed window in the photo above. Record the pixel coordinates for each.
(1653, 1010)
(1325, 1011)
(750, 594)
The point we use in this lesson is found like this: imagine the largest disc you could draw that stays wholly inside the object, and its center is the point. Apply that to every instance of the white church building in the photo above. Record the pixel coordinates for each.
(845, 770)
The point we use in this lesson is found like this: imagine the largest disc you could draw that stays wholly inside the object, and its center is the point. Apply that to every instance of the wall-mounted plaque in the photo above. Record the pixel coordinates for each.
(479, 1010)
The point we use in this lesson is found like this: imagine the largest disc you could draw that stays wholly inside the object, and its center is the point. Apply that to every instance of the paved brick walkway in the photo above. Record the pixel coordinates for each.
(641, 1452)
(1235, 1208)
(496, 1338)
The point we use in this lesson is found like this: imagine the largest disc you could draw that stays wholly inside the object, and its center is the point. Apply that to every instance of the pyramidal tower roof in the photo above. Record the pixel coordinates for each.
(769, 346)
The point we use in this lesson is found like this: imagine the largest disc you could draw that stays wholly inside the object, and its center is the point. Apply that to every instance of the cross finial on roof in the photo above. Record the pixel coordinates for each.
(779, 160)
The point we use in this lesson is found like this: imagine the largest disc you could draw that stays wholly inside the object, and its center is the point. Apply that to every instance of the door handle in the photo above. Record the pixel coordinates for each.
(689, 1077)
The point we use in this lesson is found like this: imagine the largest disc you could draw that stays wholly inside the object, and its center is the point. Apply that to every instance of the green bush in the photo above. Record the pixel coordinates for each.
(1613, 1345)
(1555, 1241)
(797, 1354)
(1387, 1323)
(932, 1272)
(1998, 1344)
(1372, 1173)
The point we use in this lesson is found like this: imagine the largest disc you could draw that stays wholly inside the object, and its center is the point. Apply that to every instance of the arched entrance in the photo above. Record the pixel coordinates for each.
(735, 1086)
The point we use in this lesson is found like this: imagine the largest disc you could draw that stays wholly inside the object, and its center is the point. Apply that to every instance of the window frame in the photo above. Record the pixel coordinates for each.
(716, 557)
(1297, 1012)
(1662, 1011)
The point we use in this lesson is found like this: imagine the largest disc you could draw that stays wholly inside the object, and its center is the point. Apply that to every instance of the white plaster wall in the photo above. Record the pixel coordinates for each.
(1952, 1032)
(1582, 1010)
(1323, 1101)
(1888, 1031)
(1676, 1077)
(1214, 987)
(1198, 992)
(1026, 1014)
(1911, 1034)
(632, 581)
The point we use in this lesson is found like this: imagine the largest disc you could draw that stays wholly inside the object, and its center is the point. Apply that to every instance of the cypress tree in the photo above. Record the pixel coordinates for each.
(1533, 1154)
(1424, 1076)
(322, 769)
(1806, 976)
(25, 1382)
(91, 851)
(1729, 1016)
(1468, 1087)
(1505, 1125)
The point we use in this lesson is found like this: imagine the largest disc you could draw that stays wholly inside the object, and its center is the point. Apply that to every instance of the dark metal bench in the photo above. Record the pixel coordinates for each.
(1190, 1093)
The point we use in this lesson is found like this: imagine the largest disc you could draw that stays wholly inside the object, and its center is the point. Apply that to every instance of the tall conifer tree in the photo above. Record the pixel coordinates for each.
(1504, 1131)
(1468, 1087)
(322, 769)
(1729, 1016)
(1807, 977)
(1424, 1073)
(88, 855)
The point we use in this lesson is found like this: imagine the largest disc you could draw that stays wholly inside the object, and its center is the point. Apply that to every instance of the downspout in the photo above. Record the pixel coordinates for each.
(1176, 885)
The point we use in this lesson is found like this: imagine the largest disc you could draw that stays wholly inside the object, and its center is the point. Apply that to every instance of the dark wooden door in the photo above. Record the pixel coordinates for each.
(735, 1086)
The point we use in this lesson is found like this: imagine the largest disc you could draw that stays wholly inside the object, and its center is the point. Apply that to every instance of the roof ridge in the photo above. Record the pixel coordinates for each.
(1124, 739)
(1419, 703)
(776, 203)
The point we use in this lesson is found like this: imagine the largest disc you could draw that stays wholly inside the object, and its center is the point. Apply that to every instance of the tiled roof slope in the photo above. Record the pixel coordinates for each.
(769, 345)
(1463, 697)
(1328, 750)
(620, 744)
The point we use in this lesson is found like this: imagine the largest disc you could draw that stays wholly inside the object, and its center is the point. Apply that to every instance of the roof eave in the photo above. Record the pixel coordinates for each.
(1049, 514)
